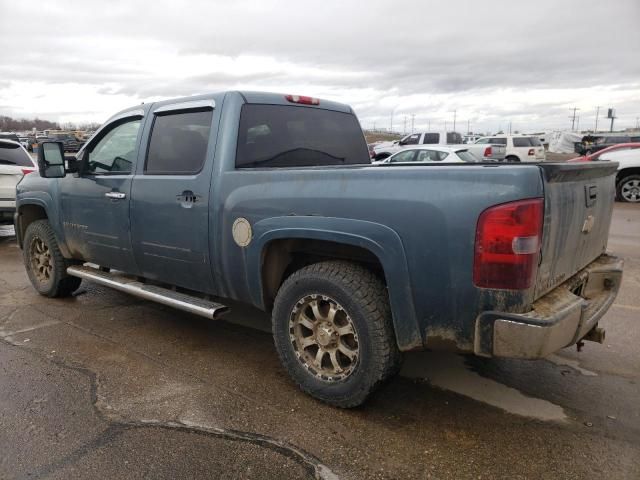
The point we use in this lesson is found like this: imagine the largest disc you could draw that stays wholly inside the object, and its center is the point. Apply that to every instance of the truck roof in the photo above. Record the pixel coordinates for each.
(249, 97)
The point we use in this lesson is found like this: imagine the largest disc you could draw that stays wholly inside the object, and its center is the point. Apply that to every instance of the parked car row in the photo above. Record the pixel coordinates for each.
(628, 176)
(509, 148)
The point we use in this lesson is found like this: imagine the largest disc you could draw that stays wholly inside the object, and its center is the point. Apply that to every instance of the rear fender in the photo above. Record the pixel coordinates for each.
(380, 240)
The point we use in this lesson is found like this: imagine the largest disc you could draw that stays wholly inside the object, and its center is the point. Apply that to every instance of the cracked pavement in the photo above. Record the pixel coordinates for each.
(107, 385)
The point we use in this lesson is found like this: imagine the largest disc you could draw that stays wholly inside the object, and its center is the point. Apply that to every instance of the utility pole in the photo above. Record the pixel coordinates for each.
(454, 120)
(404, 129)
(595, 130)
(413, 119)
(509, 127)
(578, 123)
(573, 118)
(468, 127)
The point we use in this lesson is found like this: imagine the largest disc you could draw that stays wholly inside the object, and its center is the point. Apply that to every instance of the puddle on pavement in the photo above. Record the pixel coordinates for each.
(575, 364)
(449, 372)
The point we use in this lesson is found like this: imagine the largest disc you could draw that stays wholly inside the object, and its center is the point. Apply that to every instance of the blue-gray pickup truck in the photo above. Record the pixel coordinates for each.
(270, 199)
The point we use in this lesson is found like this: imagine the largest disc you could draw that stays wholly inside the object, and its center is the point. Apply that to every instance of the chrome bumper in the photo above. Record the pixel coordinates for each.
(559, 319)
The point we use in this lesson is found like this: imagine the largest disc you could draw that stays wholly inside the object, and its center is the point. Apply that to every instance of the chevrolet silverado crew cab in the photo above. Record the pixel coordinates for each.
(271, 200)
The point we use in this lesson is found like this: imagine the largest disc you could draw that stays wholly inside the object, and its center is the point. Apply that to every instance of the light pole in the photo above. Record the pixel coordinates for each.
(595, 130)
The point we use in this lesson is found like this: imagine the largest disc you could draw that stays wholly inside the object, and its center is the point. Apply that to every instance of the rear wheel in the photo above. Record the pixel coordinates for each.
(46, 267)
(333, 332)
(629, 189)
(512, 158)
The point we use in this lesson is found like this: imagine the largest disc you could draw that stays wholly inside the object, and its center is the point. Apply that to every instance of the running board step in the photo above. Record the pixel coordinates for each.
(181, 301)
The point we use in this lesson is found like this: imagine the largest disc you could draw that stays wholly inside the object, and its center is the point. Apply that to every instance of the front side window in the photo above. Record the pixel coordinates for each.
(178, 143)
(483, 140)
(498, 141)
(115, 151)
(411, 139)
(431, 156)
(404, 156)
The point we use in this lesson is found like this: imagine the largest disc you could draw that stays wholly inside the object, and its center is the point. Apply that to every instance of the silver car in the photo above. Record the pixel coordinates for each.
(15, 163)
(430, 154)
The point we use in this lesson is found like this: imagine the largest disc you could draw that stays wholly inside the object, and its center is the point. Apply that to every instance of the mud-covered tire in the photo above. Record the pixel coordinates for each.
(41, 248)
(364, 301)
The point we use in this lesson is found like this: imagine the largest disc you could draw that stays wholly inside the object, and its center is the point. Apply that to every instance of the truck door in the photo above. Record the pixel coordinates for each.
(170, 197)
(95, 201)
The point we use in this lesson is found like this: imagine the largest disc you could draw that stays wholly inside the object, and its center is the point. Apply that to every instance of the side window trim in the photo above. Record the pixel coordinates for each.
(209, 104)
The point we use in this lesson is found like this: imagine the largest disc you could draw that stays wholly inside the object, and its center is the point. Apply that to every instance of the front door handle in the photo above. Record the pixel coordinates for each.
(117, 195)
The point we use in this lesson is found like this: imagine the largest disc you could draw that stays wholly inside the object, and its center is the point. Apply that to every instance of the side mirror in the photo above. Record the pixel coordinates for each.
(400, 142)
(51, 160)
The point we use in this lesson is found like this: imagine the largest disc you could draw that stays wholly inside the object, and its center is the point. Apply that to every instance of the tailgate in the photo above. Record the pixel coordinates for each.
(498, 152)
(579, 201)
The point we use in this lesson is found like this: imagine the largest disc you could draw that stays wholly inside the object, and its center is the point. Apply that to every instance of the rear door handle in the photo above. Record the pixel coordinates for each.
(117, 195)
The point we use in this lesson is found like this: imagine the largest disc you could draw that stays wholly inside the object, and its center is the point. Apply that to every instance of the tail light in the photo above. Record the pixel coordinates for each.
(532, 151)
(488, 152)
(302, 99)
(507, 245)
(27, 171)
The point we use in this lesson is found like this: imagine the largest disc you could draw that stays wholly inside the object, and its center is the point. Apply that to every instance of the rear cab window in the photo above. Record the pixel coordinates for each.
(13, 154)
(293, 136)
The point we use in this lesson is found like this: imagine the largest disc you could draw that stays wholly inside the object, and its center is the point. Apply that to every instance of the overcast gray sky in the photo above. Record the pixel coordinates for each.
(493, 61)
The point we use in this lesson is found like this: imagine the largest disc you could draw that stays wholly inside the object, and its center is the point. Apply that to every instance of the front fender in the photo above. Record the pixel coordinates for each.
(45, 201)
(379, 239)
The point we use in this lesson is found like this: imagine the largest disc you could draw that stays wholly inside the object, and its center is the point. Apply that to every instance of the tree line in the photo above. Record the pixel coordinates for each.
(8, 124)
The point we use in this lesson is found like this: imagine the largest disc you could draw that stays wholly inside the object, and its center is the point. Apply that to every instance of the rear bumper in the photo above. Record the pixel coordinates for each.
(7, 209)
(559, 319)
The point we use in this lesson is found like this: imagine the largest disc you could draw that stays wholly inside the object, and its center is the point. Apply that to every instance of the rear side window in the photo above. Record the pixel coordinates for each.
(178, 143)
(431, 138)
(466, 156)
(12, 154)
(526, 142)
(288, 136)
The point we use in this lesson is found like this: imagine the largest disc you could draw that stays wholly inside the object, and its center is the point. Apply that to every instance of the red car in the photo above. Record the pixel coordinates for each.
(596, 156)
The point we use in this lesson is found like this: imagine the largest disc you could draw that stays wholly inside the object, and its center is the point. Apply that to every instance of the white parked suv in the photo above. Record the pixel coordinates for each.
(385, 149)
(15, 163)
(628, 177)
(520, 148)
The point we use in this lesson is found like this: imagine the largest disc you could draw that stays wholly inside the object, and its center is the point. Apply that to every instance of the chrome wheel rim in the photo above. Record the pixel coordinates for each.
(631, 190)
(324, 337)
(41, 262)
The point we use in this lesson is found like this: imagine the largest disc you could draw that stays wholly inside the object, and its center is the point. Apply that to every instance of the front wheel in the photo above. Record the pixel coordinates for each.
(629, 189)
(46, 267)
(333, 331)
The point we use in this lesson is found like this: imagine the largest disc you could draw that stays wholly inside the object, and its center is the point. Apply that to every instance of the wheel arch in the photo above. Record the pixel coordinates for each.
(26, 214)
(280, 242)
(625, 172)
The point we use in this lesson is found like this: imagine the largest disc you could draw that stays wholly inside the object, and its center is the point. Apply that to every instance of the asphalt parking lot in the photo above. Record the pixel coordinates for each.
(104, 385)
